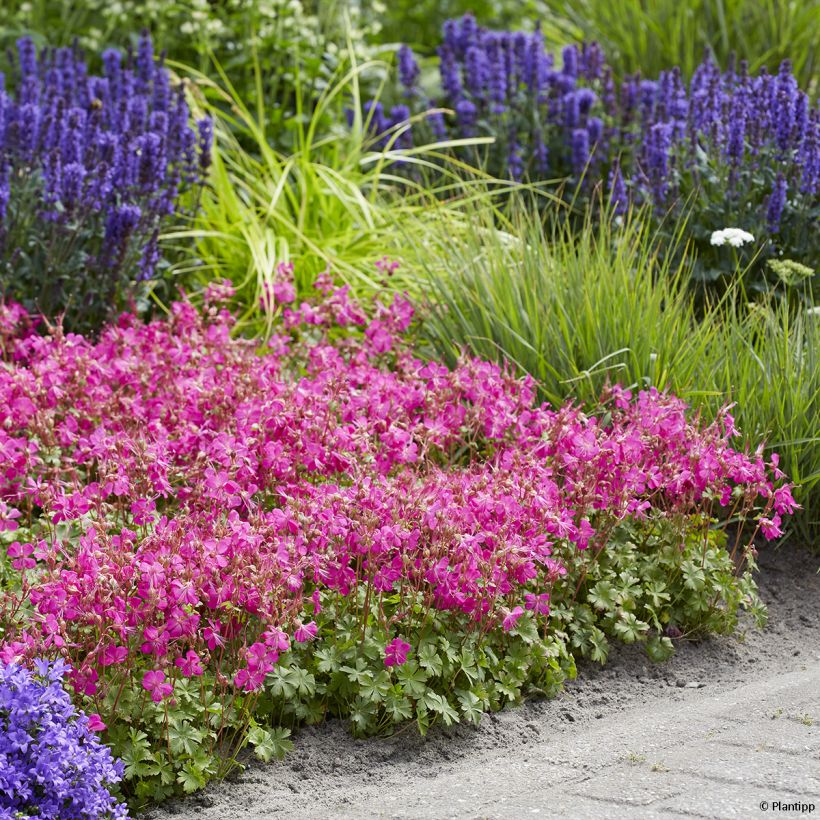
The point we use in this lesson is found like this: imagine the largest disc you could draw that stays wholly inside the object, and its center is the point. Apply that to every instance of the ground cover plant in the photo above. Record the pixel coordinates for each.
(728, 147)
(92, 168)
(222, 542)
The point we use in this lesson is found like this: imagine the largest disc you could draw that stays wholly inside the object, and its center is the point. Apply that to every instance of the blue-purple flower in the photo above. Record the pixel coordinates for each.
(715, 137)
(51, 762)
(80, 156)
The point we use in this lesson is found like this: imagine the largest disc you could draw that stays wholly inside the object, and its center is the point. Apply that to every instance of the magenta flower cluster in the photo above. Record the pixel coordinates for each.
(194, 496)
(51, 763)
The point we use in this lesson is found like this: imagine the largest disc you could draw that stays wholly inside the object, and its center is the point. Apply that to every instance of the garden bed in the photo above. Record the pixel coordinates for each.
(348, 391)
(330, 772)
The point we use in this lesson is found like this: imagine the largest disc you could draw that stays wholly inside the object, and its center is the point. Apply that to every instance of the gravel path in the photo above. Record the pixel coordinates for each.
(725, 727)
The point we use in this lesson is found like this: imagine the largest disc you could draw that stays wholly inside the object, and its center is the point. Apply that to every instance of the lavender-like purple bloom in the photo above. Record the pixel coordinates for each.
(145, 63)
(586, 98)
(150, 258)
(497, 76)
(450, 79)
(27, 59)
(618, 197)
(408, 68)
(648, 99)
(777, 202)
(580, 150)
(29, 72)
(83, 154)
(400, 114)
(467, 35)
(147, 161)
(476, 72)
(451, 36)
(595, 127)
(72, 185)
(656, 154)
(520, 56)
(112, 65)
(28, 125)
(572, 110)
(467, 114)
(678, 104)
(436, 121)
(784, 105)
(810, 156)
(592, 61)
(119, 226)
(161, 96)
(515, 164)
(533, 51)
(735, 144)
(570, 61)
(374, 118)
(609, 98)
(630, 93)
(72, 143)
(715, 136)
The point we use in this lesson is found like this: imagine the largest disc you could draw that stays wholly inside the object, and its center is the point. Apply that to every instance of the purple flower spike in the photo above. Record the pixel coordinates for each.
(777, 202)
(408, 68)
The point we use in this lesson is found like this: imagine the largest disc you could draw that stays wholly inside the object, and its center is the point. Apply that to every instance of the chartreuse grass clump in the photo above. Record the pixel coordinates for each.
(224, 541)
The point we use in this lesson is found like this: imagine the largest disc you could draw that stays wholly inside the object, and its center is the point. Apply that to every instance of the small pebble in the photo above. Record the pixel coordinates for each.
(695, 684)
(680, 684)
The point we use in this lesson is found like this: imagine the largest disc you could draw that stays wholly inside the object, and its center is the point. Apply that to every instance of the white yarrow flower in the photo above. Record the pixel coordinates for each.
(734, 236)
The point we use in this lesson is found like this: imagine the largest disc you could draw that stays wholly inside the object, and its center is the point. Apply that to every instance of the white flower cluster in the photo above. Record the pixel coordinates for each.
(734, 236)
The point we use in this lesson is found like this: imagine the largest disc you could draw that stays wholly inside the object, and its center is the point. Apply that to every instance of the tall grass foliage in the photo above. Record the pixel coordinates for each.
(579, 309)
(334, 203)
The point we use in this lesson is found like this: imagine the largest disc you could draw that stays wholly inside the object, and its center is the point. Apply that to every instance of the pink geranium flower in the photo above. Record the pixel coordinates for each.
(395, 653)
(310, 471)
(305, 632)
(538, 602)
(21, 555)
(511, 618)
(95, 723)
(113, 654)
(154, 683)
(190, 665)
(8, 517)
